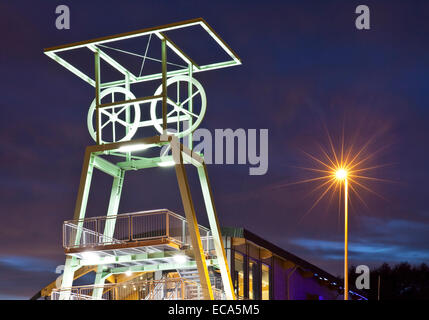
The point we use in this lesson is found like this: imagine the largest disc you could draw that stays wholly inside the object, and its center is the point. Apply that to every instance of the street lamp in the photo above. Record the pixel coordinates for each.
(341, 174)
(351, 165)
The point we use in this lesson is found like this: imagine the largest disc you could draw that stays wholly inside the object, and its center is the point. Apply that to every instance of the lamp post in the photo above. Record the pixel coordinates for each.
(341, 174)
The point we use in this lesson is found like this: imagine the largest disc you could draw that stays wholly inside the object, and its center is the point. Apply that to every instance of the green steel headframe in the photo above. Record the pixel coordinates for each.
(126, 147)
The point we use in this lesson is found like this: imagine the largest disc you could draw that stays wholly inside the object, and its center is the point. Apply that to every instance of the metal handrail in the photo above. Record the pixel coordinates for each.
(146, 212)
(144, 225)
(166, 288)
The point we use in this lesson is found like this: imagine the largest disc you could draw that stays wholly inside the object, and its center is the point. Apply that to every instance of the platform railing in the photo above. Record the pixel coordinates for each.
(164, 289)
(123, 228)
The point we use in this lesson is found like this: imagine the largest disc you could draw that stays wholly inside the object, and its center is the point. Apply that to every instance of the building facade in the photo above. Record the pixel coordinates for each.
(261, 270)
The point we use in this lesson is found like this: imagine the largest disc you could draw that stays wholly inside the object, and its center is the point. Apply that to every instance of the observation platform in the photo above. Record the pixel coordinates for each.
(148, 240)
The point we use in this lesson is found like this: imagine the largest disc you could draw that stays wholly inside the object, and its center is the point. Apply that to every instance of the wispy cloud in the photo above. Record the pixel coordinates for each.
(22, 276)
(25, 263)
(390, 242)
(317, 244)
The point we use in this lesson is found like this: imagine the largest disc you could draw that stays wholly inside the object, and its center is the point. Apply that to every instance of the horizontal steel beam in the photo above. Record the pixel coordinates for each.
(107, 167)
(114, 146)
(132, 101)
(154, 162)
(177, 50)
(189, 156)
(71, 68)
(142, 163)
(139, 257)
(147, 123)
(157, 76)
(158, 267)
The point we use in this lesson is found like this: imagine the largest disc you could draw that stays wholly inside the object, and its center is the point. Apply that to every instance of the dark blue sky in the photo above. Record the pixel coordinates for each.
(305, 66)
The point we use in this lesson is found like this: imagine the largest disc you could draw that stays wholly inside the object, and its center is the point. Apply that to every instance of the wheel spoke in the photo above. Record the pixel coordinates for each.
(122, 122)
(171, 112)
(105, 112)
(174, 104)
(188, 112)
(105, 124)
(121, 110)
(189, 98)
(114, 132)
(179, 108)
(178, 92)
(177, 125)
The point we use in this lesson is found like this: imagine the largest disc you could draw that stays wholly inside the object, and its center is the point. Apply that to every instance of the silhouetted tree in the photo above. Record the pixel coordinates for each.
(400, 282)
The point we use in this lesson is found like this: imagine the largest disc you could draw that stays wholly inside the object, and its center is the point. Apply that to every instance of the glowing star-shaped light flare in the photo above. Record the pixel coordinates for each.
(341, 174)
(336, 167)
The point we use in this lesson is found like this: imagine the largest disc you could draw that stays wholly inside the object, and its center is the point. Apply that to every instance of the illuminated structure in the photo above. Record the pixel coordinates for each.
(124, 248)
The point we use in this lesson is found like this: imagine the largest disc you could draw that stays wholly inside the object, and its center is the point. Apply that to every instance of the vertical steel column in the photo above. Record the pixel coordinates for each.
(215, 229)
(127, 111)
(190, 106)
(79, 214)
(193, 226)
(109, 228)
(83, 193)
(68, 276)
(97, 95)
(164, 85)
(167, 225)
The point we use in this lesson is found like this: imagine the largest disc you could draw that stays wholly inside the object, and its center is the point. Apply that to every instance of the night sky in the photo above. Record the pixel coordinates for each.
(306, 71)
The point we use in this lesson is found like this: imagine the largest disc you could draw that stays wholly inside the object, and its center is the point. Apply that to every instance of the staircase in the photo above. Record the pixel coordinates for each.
(160, 293)
(194, 291)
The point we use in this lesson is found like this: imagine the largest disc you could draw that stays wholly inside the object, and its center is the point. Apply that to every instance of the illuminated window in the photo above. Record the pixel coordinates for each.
(253, 279)
(239, 274)
(265, 282)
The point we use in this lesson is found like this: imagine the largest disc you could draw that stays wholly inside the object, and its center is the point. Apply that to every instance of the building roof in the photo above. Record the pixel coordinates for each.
(317, 272)
(246, 234)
